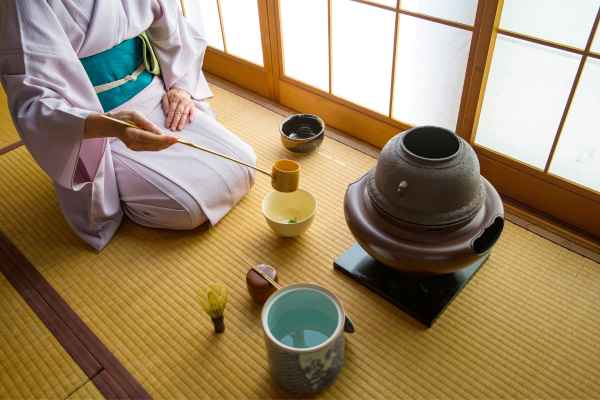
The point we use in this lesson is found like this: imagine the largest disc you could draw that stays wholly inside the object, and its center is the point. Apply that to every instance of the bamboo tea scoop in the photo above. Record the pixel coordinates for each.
(285, 175)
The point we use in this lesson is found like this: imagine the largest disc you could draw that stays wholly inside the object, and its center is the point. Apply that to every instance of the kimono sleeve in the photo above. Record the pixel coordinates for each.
(180, 50)
(46, 87)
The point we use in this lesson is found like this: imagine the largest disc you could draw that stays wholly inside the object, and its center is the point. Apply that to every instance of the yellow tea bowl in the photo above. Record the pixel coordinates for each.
(289, 214)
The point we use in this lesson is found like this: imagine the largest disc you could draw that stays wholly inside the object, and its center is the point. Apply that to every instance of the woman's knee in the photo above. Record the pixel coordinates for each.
(196, 214)
(160, 204)
(175, 216)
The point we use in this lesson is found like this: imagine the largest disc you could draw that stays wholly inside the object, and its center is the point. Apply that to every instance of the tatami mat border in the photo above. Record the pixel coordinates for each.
(553, 237)
(105, 370)
(109, 387)
(332, 135)
(86, 349)
(105, 378)
(11, 147)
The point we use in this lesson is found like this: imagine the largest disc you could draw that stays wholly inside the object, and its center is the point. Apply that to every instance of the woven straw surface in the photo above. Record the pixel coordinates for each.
(87, 392)
(33, 364)
(527, 325)
(8, 133)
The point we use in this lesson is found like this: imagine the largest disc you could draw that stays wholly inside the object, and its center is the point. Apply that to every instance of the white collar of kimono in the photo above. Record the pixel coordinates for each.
(108, 28)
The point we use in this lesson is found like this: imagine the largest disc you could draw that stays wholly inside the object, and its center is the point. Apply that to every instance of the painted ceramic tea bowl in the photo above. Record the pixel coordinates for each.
(303, 326)
(302, 133)
(289, 214)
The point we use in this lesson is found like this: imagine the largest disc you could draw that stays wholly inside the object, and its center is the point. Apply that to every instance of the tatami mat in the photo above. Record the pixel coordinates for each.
(33, 364)
(526, 326)
(89, 391)
(8, 133)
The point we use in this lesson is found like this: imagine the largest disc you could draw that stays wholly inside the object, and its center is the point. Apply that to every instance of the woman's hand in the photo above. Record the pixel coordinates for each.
(178, 105)
(148, 138)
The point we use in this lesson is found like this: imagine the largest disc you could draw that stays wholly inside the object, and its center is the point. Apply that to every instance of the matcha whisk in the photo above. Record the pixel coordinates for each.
(213, 298)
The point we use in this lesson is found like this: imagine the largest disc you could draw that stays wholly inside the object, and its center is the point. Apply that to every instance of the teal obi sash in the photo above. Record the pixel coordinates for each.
(120, 73)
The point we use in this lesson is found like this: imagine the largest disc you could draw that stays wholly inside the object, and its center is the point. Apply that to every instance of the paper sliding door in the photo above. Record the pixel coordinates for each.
(237, 34)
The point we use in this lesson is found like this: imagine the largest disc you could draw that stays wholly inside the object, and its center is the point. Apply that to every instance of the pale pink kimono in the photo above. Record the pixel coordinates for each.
(50, 95)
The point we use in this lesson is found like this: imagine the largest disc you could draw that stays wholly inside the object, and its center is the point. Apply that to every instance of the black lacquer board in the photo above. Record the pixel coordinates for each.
(423, 298)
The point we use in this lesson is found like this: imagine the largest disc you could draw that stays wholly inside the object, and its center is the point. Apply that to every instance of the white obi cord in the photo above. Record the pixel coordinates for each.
(111, 85)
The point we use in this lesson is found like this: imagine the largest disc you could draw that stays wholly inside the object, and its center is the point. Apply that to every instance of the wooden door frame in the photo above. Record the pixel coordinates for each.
(567, 201)
(575, 205)
(256, 78)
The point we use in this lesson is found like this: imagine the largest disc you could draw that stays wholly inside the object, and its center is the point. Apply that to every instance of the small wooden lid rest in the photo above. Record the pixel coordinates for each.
(258, 287)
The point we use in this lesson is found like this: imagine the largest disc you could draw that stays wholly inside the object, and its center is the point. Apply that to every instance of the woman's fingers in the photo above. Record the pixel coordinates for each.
(138, 140)
(177, 116)
(135, 118)
(139, 119)
(178, 106)
(148, 137)
(192, 112)
(184, 117)
(173, 103)
(165, 103)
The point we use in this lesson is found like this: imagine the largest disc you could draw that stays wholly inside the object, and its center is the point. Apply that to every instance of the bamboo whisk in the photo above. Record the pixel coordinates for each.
(213, 298)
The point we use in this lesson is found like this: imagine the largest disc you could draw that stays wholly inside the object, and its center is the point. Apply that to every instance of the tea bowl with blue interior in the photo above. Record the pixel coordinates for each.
(303, 326)
(302, 133)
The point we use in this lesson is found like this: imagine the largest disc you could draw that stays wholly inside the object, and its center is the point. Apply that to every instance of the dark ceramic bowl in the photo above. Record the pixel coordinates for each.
(302, 133)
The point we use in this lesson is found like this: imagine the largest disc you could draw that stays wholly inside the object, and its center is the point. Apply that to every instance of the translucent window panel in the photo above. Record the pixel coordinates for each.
(212, 23)
(462, 11)
(526, 93)
(242, 29)
(363, 44)
(566, 22)
(577, 156)
(391, 3)
(194, 15)
(596, 43)
(431, 61)
(306, 51)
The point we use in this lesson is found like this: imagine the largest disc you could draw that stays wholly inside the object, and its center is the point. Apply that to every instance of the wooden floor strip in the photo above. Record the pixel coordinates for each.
(11, 147)
(109, 387)
(74, 335)
(338, 136)
(526, 327)
(53, 322)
